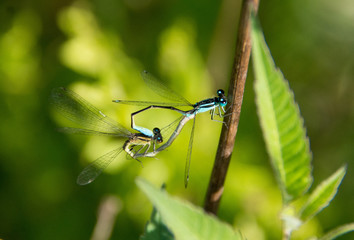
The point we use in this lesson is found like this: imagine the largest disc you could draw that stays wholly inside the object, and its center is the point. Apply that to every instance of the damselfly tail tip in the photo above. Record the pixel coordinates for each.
(186, 182)
(82, 182)
(116, 101)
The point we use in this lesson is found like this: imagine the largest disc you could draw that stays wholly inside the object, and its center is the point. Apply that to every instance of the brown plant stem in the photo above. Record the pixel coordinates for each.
(235, 94)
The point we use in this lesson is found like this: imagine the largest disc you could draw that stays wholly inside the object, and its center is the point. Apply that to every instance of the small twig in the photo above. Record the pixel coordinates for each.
(236, 90)
(107, 213)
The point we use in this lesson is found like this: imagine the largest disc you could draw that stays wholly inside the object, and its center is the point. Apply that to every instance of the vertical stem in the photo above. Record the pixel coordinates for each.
(110, 206)
(236, 90)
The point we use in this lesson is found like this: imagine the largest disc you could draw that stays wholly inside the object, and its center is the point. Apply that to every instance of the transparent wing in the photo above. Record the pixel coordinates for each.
(92, 171)
(84, 131)
(145, 103)
(189, 157)
(162, 90)
(170, 128)
(79, 111)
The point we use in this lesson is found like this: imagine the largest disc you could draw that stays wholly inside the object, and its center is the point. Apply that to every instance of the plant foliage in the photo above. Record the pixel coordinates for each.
(322, 195)
(287, 144)
(156, 229)
(282, 125)
(185, 220)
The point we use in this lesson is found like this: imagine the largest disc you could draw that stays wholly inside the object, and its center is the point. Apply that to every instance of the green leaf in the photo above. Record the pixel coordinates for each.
(338, 232)
(185, 220)
(156, 229)
(282, 125)
(323, 195)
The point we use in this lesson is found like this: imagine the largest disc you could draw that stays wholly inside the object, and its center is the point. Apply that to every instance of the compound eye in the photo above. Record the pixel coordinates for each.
(156, 130)
(159, 139)
(223, 101)
(220, 92)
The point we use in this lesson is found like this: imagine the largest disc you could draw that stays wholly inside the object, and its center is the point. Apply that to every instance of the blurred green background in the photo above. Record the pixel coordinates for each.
(98, 48)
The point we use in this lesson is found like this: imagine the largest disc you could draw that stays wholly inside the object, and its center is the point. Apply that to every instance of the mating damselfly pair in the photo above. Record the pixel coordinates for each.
(142, 143)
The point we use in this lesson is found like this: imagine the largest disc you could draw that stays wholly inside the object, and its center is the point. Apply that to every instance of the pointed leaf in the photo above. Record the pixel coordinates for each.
(185, 220)
(323, 195)
(282, 125)
(338, 232)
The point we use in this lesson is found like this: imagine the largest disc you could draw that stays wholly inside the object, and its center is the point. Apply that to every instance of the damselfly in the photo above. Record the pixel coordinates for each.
(214, 105)
(94, 122)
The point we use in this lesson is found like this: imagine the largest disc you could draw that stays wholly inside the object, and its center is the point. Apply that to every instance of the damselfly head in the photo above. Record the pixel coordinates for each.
(157, 135)
(221, 97)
